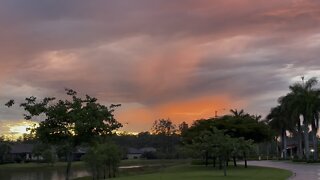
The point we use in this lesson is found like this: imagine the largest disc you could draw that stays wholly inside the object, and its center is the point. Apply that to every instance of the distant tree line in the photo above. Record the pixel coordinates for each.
(164, 135)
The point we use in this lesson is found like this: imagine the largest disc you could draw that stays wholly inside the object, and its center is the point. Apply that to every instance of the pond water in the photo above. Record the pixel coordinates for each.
(48, 174)
(41, 174)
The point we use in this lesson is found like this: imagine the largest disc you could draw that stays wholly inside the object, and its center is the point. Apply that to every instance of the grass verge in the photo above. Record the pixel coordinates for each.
(192, 172)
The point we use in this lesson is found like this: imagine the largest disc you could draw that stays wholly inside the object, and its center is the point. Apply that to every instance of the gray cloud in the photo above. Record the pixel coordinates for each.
(152, 53)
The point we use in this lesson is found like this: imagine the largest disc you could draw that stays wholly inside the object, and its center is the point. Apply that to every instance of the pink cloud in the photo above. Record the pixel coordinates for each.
(166, 57)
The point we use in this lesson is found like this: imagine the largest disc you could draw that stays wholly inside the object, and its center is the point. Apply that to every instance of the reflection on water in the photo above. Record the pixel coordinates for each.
(40, 174)
(129, 167)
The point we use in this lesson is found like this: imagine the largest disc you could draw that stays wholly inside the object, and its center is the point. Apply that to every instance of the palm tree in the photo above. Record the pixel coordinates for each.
(237, 113)
(290, 105)
(314, 98)
(306, 103)
(277, 121)
(256, 117)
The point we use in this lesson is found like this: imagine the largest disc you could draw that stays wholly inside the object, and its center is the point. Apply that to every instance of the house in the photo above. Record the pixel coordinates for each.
(79, 152)
(148, 149)
(134, 153)
(292, 146)
(23, 152)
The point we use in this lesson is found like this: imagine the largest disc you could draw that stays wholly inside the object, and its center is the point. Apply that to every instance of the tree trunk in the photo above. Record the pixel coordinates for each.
(306, 141)
(315, 145)
(314, 139)
(104, 172)
(110, 170)
(94, 174)
(220, 163)
(69, 159)
(114, 170)
(258, 151)
(234, 161)
(113, 174)
(284, 141)
(98, 172)
(206, 157)
(245, 160)
(224, 167)
(300, 152)
(214, 161)
(267, 151)
(277, 146)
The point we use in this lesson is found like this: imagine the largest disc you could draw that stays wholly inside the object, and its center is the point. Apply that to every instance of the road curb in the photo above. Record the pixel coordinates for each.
(293, 175)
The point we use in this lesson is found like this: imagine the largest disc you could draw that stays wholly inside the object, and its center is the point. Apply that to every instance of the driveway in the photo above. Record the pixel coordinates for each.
(300, 171)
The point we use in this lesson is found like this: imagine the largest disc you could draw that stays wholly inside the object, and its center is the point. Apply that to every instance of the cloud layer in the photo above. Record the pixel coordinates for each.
(182, 60)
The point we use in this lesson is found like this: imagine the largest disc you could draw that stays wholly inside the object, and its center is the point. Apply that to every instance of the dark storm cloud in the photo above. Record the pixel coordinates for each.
(153, 53)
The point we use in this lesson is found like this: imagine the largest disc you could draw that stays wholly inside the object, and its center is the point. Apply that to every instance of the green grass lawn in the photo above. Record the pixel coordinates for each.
(191, 172)
(199, 172)
(170, 169)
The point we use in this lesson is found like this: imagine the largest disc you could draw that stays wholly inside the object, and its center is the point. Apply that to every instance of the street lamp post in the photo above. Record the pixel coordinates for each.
(216, 112)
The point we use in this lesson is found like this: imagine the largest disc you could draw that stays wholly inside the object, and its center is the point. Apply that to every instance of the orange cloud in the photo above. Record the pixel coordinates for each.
(141, 118)
(135, 119)
(193, 109)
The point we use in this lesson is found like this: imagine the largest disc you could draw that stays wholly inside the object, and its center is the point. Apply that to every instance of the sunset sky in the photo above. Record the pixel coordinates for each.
(178, 59)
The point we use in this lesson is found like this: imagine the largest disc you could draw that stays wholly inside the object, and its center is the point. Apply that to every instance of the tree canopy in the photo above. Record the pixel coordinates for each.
(246, 126)
(70, 122)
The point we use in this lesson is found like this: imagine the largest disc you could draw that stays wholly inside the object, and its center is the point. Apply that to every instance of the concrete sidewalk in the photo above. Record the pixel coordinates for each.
(300, 171)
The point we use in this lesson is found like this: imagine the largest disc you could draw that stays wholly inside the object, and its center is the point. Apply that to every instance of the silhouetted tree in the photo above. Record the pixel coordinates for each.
(70, 122)
(165, 130)
(183, 127)
(164, 127)
(277, 121)
(237, 113)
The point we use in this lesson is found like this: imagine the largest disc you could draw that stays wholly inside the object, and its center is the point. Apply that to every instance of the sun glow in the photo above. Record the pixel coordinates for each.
(19, 129)
(14, 130)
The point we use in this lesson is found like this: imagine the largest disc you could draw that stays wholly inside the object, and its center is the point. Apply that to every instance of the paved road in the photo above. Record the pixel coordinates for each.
(301, 171)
